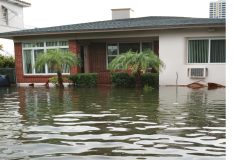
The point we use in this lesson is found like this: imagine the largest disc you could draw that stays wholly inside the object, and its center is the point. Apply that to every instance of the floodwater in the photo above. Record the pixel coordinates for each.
(103, 123)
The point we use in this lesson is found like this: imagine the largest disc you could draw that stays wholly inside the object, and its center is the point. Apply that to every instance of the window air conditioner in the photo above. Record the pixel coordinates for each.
(200, 72)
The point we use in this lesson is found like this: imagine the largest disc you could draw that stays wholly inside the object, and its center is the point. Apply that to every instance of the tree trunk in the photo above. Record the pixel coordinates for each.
(138, 79)
(60, 79)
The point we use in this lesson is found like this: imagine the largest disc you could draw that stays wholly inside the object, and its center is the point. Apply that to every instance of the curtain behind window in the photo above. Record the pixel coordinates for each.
(37, 53)
(218, 52)
(198, 51)
(27, 61)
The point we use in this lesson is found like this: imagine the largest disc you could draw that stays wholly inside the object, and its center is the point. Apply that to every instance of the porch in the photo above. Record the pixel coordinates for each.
(95, 55)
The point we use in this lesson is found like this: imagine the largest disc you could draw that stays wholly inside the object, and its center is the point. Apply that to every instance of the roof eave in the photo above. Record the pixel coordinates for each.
(21, 3)
(112, 30)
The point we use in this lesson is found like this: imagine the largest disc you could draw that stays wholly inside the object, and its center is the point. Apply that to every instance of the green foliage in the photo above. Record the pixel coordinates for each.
(57, 60)
(126, 80)
(7, 62)
(147, 88)
(137, 62)
(150, 79)
(84, 79)
(123, 80)
(53, 80)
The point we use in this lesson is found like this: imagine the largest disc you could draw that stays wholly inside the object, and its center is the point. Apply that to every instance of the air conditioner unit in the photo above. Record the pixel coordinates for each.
(200, 72)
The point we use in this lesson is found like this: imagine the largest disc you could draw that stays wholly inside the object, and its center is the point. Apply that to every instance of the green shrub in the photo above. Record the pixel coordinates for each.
(123, 80)
(53, 80)
(150, 79)
(7, 62)
(84, 79)
(126, 80)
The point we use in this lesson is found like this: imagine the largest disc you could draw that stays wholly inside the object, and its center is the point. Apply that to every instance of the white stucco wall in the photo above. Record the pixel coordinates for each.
(15, 20)
(173, 51)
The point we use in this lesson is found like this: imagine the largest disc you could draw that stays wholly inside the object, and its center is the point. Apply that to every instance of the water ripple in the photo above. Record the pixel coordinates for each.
(89, 124)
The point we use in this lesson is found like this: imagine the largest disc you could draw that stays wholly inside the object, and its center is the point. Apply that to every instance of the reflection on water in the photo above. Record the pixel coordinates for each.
(169, 124)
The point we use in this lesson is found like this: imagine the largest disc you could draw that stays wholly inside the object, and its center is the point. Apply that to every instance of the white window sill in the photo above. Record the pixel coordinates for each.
(47, 74)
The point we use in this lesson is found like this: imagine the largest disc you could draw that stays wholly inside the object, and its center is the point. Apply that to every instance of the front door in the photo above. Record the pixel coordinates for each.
(82, 59)
(97, 57)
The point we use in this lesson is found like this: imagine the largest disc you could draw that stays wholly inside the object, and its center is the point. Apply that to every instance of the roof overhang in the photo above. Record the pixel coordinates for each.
(19, 2)
(13, 36)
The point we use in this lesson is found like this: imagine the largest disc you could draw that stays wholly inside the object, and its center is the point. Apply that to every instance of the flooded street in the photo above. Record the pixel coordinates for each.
(102, 123)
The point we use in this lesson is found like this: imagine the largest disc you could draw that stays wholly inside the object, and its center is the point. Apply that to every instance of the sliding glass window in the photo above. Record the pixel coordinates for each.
(207, 51)
(32, 50)
(114, 49)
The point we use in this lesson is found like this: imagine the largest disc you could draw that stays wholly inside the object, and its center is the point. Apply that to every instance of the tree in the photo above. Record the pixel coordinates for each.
(57, 60)
(6, 61)
(138, 63)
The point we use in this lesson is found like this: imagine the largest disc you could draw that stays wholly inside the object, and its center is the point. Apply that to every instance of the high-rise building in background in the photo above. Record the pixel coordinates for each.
(217, 9)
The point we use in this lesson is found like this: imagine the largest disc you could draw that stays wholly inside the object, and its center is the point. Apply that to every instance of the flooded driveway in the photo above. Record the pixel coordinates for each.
(101, 123)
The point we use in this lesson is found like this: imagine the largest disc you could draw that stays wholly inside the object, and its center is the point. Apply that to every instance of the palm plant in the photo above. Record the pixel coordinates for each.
(138, 63)
(56, 60)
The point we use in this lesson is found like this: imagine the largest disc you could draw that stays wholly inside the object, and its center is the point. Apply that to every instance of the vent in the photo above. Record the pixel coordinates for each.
(197, 72)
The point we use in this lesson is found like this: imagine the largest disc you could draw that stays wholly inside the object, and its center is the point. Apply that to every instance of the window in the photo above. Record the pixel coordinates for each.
(218, 51)
(5, 15)
(32, 50)
(125, 47)
(146, 46)
(27, 56)
(207, 51)
(114, 49)
(37, 53)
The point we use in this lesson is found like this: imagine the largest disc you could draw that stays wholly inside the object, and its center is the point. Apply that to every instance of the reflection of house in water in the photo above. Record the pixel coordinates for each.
(10, 119)
(190, 107)
(36, 103)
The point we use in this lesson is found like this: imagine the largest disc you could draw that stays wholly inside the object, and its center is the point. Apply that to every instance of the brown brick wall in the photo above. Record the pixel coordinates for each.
(74, 48)
(20, 77)
(18, 62)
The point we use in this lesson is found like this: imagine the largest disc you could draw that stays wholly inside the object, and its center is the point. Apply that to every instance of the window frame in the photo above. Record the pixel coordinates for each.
(4, 12)
(209, 50)
(140, 49)
(44, 48)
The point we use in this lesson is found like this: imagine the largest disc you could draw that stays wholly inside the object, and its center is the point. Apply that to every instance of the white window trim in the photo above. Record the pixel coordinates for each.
(32, 56)
(209, 48)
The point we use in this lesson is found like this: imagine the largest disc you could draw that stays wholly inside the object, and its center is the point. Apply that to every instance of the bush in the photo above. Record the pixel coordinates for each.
(150, 79)
(54, 80)
(123, 80)
(84, 79)
(7, 62)
(126, 80)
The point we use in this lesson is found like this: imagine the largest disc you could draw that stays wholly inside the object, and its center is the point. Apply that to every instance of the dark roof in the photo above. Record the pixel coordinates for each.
(143, 23)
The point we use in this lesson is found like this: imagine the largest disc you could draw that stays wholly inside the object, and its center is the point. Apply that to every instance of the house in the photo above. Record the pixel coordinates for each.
(11, 19)
(11, 15)
(193, 49)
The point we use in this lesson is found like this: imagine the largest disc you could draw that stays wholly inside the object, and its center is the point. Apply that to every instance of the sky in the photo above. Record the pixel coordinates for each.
(43, 13)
